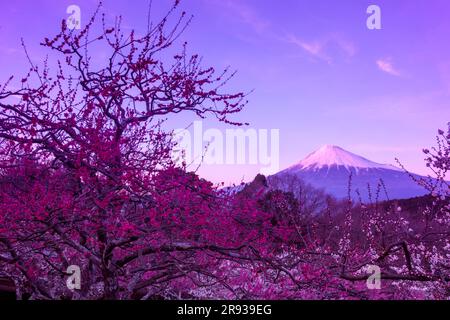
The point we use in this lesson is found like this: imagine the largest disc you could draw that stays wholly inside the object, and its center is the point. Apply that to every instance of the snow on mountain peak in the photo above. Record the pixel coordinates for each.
(329, 155)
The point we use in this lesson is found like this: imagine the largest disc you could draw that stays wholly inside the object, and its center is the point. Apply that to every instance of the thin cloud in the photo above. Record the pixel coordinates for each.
(321, 49)
(346, 46)
(314, 48)
(387, 66)
(11, 51)
(244, 13)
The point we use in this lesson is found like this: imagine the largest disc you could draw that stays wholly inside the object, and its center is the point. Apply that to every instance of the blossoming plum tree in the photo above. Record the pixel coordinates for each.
(86, 172)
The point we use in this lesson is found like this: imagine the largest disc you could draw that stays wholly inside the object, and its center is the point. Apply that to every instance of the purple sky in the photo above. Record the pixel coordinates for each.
(318, 73)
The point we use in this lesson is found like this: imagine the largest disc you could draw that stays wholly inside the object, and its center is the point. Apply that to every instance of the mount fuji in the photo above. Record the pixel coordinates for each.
(330, 168)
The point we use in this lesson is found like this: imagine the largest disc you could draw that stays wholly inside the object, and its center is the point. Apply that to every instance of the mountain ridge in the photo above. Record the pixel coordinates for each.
(333, 169)
(329, 155)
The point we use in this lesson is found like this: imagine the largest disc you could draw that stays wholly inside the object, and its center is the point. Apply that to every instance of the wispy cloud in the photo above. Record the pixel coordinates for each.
(321, 49)
(11, 51)
(244, 13)
(386, 65)
(314, 48)
(397, 108)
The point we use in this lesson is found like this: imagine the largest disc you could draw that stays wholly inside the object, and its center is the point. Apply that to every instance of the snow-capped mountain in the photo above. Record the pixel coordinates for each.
(330, 155)
(330, 167)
